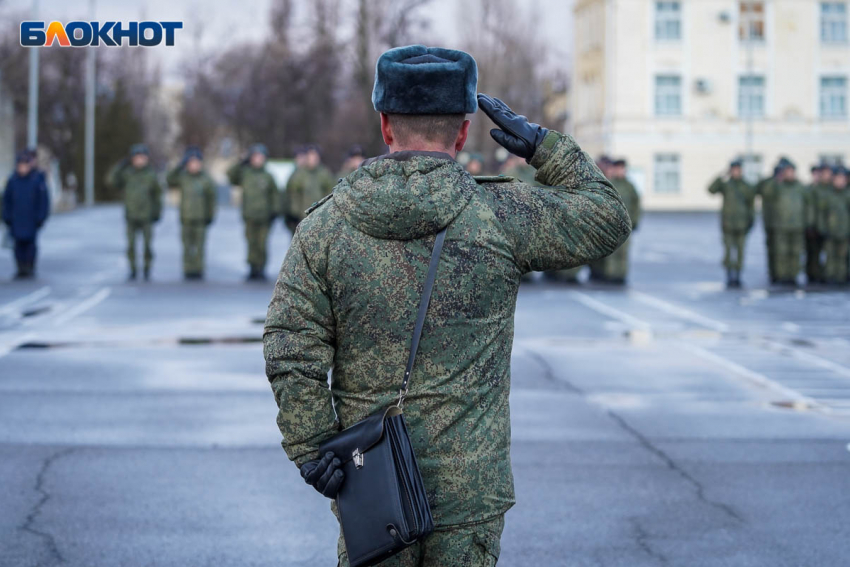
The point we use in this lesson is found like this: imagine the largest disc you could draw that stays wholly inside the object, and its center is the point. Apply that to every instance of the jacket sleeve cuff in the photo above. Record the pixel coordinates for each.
(563, 143)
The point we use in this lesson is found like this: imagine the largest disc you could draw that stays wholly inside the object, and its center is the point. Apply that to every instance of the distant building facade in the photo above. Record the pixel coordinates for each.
(681, 87)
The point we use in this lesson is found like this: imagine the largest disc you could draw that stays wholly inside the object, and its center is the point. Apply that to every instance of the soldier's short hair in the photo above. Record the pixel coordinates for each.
(437, 128)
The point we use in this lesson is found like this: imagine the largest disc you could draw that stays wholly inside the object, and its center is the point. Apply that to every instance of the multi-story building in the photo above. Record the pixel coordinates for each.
(681, 87)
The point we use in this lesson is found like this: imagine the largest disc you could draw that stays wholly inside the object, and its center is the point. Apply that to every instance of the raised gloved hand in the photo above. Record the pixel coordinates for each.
(325, 475)
(515, 133)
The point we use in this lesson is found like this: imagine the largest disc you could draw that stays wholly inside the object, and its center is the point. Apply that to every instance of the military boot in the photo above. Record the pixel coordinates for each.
(147, 273)
(132, 274)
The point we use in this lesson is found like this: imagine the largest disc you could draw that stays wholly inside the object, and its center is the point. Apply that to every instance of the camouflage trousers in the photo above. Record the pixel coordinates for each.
(133, 228)
(814, 268)
(466, 545)
(194, 239)
(733, 249)
(257, 235)
(771, 257)
(835, 271)
(787, 248)
(614, 267)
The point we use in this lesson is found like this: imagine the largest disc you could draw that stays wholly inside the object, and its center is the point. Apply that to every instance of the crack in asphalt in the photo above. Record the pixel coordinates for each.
(29, 523)
(675, 467)
(642, 540)
(549, 372)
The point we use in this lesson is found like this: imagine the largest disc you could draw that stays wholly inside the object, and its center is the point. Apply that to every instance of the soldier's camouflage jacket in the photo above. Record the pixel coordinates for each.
(142, 191)
(737, 213)
(259, 191)
(790, 205)
(197, 194)
(305, 187)
(818, 192)
(349, 289)
(631, 198)
(833, 213)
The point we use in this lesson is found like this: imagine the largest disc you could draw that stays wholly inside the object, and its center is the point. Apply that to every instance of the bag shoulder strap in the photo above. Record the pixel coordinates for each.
(423, 309)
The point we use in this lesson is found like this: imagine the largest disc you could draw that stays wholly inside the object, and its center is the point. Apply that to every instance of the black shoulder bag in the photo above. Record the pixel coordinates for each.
(382, 504)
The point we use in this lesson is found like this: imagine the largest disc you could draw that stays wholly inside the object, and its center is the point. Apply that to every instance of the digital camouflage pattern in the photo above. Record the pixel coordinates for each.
(197, 210)
(764, 189)
(142, 191)
(259, 207)
(833, 222)
(349, 289)
(305, 187)
(142, 205)
(791, 213)
(615, 266)
(736, 218)
(476, 545)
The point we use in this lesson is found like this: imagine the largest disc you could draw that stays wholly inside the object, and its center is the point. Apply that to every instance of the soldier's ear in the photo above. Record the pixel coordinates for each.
(386, 129)
(462, 135)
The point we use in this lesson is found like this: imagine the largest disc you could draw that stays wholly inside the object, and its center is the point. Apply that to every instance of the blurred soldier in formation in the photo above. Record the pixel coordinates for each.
(353, 159)
(819, 189)
(259, 204)
(309, 183)
(475, 164)
(737, 216)
(833, 225)
(615, 267)
(197, 208)
(519, 169)
(26, 205)
(791, 213)
(142, 202)
(764, 189)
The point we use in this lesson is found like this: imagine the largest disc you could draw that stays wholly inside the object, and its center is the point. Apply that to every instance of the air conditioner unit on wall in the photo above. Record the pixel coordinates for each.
(702, 86)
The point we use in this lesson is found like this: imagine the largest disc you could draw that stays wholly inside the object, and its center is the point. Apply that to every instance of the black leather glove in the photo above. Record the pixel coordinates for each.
(515, 133)
(325, 475)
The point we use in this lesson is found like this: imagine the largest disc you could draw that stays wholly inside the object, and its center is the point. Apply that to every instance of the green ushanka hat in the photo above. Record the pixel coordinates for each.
(425, 80)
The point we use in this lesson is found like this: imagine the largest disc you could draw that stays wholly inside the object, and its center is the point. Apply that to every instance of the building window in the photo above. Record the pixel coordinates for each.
(751, 96)
(752, 168)
(668, 21)
(833, 22)
(667, 173)
(751, 21)
(668, 95)
(833, 97)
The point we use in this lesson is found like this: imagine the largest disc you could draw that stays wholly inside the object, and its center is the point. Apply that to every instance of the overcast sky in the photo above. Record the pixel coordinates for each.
(224, 22)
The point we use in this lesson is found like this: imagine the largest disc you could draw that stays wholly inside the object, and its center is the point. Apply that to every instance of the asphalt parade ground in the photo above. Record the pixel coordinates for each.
(670, 423)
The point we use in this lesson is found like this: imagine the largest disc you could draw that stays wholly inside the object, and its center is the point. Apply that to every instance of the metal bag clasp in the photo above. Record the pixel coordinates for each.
(358, 458)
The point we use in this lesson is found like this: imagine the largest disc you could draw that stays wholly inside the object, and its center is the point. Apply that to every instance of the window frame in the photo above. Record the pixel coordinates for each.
(827, 96)
(831, 22)
(666, 167)
(749, 17)
(748, 93)
(664, 18)
(666, 94)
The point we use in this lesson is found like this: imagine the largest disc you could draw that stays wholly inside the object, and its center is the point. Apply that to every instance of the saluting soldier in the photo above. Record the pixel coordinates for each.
(349, 289)
(615, 267)
(791, 215)
(833, 221)
(736, 219)
(259, 205)
(308, 184)
(142, 203)
(197, 209)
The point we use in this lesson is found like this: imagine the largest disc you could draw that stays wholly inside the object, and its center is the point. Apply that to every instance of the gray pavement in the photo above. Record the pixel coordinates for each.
(670, 423)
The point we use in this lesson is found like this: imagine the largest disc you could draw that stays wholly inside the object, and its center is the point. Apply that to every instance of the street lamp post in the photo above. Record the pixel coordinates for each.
(32, 102)
(90, 109)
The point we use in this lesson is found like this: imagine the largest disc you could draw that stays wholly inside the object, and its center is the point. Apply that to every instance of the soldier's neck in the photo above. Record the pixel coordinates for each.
(423, 147)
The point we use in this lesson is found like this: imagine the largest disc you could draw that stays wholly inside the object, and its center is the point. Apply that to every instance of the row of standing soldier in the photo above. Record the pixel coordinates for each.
(798, 220)
(262, 201)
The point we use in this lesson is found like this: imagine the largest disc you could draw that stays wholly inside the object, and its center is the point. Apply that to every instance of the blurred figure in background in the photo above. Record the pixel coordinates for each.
(197, 209)
(26, 206)
(736, 219)
(820, 189)
(615, 268)
(353, 159)
(765, 189)
(833, 221)
(519, 169)
(259, 203)
(142, 202)
(475, 164)
(309, 184)
(791, 214)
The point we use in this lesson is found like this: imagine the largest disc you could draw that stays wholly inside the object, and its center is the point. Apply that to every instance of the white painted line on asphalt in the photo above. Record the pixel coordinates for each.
(17, 304)
(680, 312)
(812, 359)
(754, 377)
(609, 311)
(848, 446)
(83, 306)
(8, 346)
